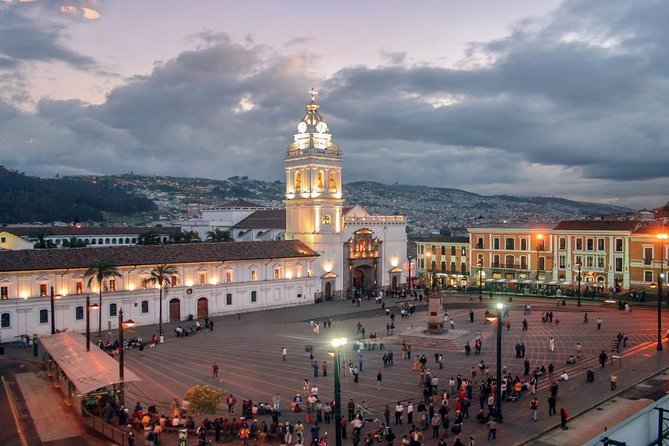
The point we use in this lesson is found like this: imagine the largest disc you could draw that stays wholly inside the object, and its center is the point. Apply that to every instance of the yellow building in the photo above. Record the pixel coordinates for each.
(444, 259)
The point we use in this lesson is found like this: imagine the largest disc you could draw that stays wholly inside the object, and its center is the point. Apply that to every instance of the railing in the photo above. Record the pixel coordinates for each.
(99, 425)
(508, 265)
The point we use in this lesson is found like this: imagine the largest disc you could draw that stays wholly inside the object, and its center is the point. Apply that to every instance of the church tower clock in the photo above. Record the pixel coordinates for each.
(314, 200)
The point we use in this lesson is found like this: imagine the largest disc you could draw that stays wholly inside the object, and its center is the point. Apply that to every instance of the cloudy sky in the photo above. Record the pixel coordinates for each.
(519, 97)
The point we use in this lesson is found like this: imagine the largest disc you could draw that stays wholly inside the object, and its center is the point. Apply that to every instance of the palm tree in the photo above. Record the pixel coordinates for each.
(99, 271)
(218, 235)
(150, 237)
(39, 237)
(161, 275)
(74, 242)
(185, 237)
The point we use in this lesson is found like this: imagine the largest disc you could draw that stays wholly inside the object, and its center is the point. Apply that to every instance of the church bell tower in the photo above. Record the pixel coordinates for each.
(314, 200)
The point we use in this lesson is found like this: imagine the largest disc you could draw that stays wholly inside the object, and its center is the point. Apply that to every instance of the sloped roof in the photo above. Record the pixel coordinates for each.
(268, 219)
(26, 231)
(597, 225)
(444, 239)
(58, 259)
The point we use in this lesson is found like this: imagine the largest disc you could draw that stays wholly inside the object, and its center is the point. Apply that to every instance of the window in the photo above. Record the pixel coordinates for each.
(332, 181)
(562, 243)
(579, 244)
(590, 244)
(509, 261)
(463, 268)
(112, 310)
(112, 284)
(463, 251)
(228, 299)
(542, 263)
(589, 262)
(4, 292)
(523, 244)
(600, 262)
(42, 289)
(80, 287)
(562, 261)
(277, 273)
(443, 250)
(228, 277)
(443, 267)
(619, 245)
(254, 296)
(434, 265)
(327, 220)
(647, 276)
(619, 264)
(254, 275)
(5, 320)
(203, 278)
(600, 244)
(452, 250)
(578, 260)
(510, 243)
(145, 306)
(453, 271)
(495, 243)
(647, 256)
(3, 239)
(495, 260)
(43, 317)
(79, 313)
(479, 243)
(523, 262)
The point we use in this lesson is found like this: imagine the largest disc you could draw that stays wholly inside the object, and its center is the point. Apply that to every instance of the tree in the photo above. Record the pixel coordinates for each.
(74, 242)
(161, 275)
(39, 237)
(149, 238)
(218, 235)
(204, 399)
(99, 271)
(185, 237)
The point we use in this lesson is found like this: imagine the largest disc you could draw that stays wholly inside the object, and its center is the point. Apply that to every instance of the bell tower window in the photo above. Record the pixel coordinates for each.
(332, 181)
(298, 181)
(321, 179)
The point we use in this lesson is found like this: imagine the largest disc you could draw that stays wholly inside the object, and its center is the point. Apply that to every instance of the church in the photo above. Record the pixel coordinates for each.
(357, 251)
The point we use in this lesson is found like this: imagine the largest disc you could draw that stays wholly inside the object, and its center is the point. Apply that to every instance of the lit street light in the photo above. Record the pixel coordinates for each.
(337, 343)
(121, 323)
(89, 307)
(661, 238)
(578, 279)
(498, 394)
(540, 247)
(409, 279)
(480, 262)
(53, 310)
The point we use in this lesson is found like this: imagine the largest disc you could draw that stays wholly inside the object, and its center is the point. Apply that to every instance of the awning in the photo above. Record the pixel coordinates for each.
(527, 282)
(88, 371)
(500, 281)
(513, 281)
(490, 280)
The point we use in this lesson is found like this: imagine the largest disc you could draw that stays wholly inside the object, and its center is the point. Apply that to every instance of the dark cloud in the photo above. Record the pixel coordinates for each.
(571, 104)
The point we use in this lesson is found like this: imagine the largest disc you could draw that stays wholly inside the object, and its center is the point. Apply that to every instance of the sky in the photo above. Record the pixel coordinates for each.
(520, 97)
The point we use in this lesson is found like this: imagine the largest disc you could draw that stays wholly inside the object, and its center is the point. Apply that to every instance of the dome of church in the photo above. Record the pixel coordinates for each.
(313, 121)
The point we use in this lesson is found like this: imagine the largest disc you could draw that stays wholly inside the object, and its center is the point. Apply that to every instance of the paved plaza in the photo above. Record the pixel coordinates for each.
(248, 350)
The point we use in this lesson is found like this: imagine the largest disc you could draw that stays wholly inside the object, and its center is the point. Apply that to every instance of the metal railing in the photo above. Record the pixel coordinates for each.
(113, 433)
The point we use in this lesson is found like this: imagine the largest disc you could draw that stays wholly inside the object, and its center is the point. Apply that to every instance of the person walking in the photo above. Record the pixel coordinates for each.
(315, 367)
(551, 405)
(492, 429)
(324, 368)
(435, 422)
(399, 409)
(564, 416)
(599, 323)
(214, 368)
(613, 379)
(534, 408)
(551, 343)
(379, 380)
(602, 358)
(585, 318)
(284, 352)
(579, 349)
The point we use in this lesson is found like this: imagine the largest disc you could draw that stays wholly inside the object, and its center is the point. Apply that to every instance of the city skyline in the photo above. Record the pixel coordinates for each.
(556, 99)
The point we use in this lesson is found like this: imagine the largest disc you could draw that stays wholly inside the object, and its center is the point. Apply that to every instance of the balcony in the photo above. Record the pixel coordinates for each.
(508, 265)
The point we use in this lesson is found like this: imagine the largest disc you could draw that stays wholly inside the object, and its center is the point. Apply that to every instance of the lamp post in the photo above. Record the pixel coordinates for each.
(129, 323)
(480, 262)
(578, 279)
(337, 343)
(89, 307)
(498, 393)
(660, 237)
(409, 279)
(53, 310)
(427, 270)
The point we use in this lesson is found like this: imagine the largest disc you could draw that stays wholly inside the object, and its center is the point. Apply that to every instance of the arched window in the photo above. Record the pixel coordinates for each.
(332, 182)
(510, 243)
(43, 316)
(321, 179)
(113, 241)
(79, 313)
(298, 181)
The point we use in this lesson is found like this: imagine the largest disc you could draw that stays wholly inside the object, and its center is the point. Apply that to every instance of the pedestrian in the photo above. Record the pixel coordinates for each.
(399, 409)
(452, 324)
(613, 379)
(471, 315)
(551, 343)
(602, 358)
(585, 318)
(435, 422)
(284, 352)
(351, 409)
(324, 368)
(526, 365)
(534, 407)
(130, 435)
(214, 368)
(492, 429)
(551, 405)
(379, 380)
(579, 349)
(564, 416)
(315, 367)
(524, 324)
(386, 415)
(360, 362)
(599, 323)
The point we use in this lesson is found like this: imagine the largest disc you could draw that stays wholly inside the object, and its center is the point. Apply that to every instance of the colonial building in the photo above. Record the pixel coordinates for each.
(211, 279)
(225, 217)
(358, 251)
(445, 259)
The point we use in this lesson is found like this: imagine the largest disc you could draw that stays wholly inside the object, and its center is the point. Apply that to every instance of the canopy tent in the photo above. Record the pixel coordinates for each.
(87, 371)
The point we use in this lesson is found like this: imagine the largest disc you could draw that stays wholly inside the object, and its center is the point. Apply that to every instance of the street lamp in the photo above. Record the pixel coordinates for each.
(480, 263)
(121, 323)
(578, 279)
(337, 343)
(89, 307)
(53, 310)
(427, 271)
(498, 394)
(540, 241)
(409, 279)
(660, 237)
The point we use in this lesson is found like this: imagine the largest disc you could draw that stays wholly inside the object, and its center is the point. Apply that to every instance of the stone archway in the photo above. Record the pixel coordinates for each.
(202, 307)
(328, 291)
(175, 310)
(363, 278)
(394, 283)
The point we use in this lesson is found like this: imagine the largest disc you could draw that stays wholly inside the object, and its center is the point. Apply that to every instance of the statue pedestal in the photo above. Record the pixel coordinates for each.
(435, 314)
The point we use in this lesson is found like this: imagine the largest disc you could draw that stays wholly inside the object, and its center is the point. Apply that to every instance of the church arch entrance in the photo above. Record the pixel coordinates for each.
(363, 278)
(394, 283)
(202, 307)
(175, 310)
(328, 290)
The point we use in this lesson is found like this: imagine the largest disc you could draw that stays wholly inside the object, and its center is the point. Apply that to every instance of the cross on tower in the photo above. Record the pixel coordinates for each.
(313, 94)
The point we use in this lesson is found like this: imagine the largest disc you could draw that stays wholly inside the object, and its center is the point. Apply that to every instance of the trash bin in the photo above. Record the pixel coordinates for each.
(590, 376)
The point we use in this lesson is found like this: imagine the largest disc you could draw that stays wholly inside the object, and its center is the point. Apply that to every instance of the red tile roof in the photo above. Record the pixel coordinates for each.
(58, 259)
(596, 225)
(25, 231)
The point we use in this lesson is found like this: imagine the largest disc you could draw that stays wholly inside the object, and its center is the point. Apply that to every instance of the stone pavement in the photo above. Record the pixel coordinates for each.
(248, 351)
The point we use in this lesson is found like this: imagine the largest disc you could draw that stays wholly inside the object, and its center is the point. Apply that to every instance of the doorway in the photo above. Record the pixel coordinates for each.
(202, 307)
(175, 310)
